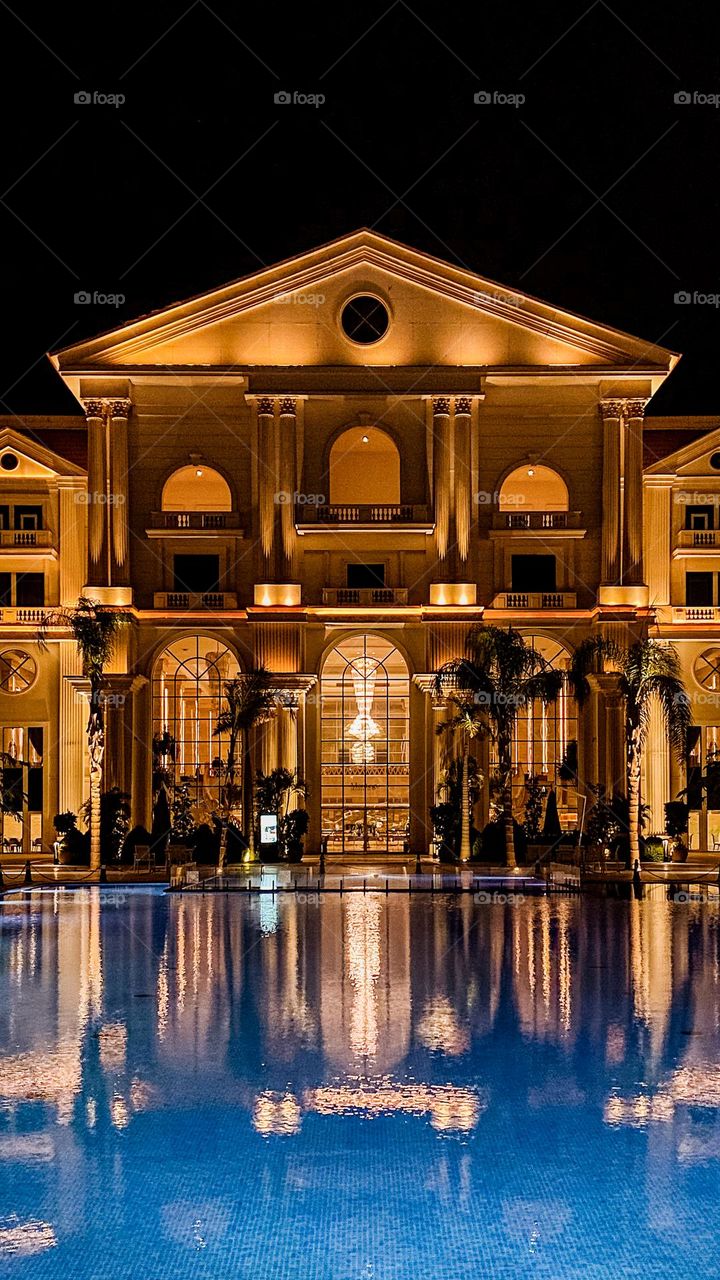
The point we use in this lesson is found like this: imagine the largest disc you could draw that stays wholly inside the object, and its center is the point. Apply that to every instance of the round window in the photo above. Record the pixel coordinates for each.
(17, 671)
(9, 462)
(706, 669)
(365, 319)
(715, 461)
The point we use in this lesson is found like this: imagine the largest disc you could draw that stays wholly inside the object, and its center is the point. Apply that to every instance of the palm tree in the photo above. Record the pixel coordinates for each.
(500, 676)
(648, 674)
(467, 720)
(95, 630)
(250, 701)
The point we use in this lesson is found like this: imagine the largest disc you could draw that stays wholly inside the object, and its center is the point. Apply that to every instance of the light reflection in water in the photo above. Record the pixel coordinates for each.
(434, 1040)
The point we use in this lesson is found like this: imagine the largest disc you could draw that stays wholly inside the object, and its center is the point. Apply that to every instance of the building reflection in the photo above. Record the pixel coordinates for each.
(443, 1014)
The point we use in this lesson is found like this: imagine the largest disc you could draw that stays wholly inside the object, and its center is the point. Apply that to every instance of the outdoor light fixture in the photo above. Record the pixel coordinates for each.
(198, 471)
(366, 439)
(531, 471)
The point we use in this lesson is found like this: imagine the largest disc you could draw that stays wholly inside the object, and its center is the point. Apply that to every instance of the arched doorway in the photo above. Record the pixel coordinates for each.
(545, 745)
(364, 468)
(365, 725)
(187, 696)
(533, 487)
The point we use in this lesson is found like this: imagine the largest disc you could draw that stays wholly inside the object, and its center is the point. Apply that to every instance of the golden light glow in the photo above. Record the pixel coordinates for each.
(453, 593)
(23, 1239)
(276, 1113)
(286, 595)
(450, 1109)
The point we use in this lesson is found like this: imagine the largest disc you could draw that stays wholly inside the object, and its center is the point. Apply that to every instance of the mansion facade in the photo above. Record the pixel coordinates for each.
(334, 468)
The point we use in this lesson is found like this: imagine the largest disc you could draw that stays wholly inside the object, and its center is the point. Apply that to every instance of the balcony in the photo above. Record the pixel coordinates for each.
(696, 613)
(195, 522)
(22, 538)
(364, 516)
(28, 614)
(535, 600)
(364, 596)
(190, 600)
(537, 520)
(696, 541)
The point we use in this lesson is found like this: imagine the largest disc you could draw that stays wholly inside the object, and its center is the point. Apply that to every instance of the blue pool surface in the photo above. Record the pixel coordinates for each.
(357, 1088)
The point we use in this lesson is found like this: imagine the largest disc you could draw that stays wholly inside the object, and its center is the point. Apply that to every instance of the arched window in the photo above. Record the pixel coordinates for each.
(365, 693)
(533, 488)
(545, 746)
(187, 693)
(364, 468)
(196, 488)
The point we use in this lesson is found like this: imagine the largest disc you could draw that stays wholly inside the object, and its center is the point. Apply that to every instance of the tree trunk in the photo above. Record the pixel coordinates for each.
(466, 814)
(506, 768)
(96, 750)
(247, 802)
(634, 807)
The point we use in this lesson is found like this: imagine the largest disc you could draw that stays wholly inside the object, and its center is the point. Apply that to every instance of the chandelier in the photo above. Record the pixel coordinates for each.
(363, 728)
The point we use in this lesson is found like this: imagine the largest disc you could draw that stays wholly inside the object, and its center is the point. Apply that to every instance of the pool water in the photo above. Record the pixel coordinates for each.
(357, 1088)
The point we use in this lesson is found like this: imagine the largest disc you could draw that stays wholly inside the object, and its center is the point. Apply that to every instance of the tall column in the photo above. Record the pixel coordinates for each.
(442, 460)
(632, 571)
(267, 484)
(97, 493)
(288, 485)
(463, 475)
(612, 424)
(287, 730)
(118, 515)
(73, 719)
(72, 495)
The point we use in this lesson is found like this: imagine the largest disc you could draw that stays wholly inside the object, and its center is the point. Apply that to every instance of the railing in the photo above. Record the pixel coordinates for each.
(696, 613)
(26, 538)
(698, 538)
(361, 513)
(26, 613)
(195, 600)
(194, 520)
(535, 600)
(537, 520)
(364, 595)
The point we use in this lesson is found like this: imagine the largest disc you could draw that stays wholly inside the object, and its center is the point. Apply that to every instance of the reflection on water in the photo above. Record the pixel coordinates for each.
(358, 1086)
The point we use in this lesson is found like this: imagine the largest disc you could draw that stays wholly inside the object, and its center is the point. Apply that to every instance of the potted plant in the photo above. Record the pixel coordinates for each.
(677, 814)
(293, 828)
(73, 844)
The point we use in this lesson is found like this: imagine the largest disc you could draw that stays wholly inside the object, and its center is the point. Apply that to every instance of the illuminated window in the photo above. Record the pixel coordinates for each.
(196, 488)
(365, 695)
(187, 690)
(364, 468)
(533, 488)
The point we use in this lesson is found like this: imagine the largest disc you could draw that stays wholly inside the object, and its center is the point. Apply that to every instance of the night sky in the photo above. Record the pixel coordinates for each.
(599, 193)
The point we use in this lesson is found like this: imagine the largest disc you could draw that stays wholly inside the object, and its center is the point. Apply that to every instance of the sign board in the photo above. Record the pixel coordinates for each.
(268, 828)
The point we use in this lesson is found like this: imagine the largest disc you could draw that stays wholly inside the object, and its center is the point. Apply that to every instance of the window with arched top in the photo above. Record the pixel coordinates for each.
(196, 488)
(533, 487)
(364, 468)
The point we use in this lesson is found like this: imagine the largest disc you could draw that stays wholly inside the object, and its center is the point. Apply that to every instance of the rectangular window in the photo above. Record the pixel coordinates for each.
(5, 590)
(4, 517)
(366, 575)
(28, 517)
(30, 590)
(699, 517)
(534, 573)
(699, 589)
(196, 574)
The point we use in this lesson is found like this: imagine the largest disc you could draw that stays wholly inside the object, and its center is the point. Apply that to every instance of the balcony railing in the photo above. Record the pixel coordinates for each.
(195, 520)
(361, 513)
(195, 600)
(696, 613)
(26, 538)
(537, 519)
(27, 613)
(698, 538)
(535, 600)
(364, 595)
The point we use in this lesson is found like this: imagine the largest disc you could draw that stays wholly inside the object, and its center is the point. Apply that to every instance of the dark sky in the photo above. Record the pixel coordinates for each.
(598, 193)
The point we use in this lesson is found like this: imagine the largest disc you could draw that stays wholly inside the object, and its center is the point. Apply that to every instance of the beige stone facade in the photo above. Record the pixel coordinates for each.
(334, 468)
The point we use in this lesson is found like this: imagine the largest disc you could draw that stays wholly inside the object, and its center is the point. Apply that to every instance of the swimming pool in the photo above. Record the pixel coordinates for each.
(364, 1088)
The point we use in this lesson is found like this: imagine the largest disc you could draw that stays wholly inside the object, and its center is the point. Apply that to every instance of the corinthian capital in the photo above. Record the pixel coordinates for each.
(635, 408)
(120, 407)
(441, 406)
(266, 406)
(288, 406)
(94, 407)
(463, 406)
(612, 408)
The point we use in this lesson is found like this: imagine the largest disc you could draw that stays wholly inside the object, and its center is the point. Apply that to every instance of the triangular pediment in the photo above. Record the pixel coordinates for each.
(34, 460)
(692, 459)
(289, 315)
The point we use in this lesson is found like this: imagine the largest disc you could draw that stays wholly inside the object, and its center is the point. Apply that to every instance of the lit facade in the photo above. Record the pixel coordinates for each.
(333, 468)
